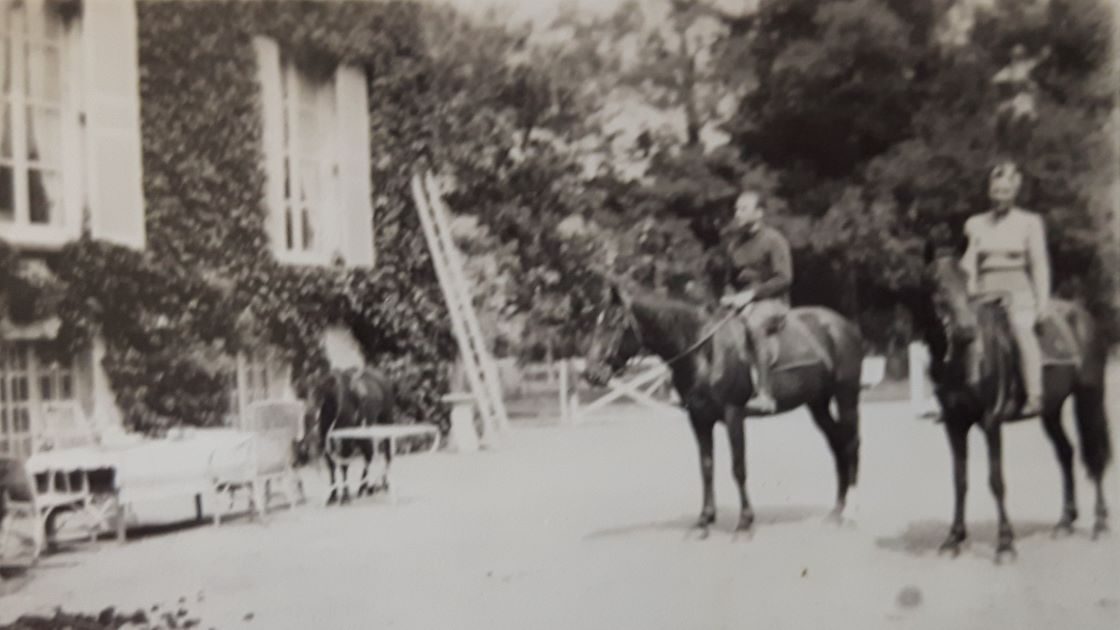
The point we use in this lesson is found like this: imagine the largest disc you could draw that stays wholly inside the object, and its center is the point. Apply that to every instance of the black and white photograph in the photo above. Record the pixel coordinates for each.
(559, 314)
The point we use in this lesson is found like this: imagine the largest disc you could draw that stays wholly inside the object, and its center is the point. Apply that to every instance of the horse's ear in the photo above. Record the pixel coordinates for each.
(620, 291)
(615, 293)
(930, 251)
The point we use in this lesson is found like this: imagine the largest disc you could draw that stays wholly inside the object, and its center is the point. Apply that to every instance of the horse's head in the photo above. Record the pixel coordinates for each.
(947, 286)
(616, 338)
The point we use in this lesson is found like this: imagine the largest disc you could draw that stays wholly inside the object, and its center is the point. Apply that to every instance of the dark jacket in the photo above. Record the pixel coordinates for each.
(761, 262)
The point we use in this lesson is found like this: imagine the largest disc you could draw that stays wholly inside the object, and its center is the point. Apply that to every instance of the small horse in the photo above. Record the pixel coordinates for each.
(975, 369)
(351, 398)
(711, 372)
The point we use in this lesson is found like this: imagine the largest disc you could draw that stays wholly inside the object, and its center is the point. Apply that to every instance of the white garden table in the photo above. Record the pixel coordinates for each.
(375, 435)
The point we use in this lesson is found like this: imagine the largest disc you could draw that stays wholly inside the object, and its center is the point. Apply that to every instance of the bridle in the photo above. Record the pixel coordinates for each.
(632, 324)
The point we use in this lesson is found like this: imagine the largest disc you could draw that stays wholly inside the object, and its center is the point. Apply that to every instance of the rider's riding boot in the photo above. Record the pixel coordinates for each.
(1030, 354)
(1031, 407)
(763, 403)
(763, 400)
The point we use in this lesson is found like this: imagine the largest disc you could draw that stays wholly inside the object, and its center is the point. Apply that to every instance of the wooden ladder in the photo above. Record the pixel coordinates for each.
(478, 364)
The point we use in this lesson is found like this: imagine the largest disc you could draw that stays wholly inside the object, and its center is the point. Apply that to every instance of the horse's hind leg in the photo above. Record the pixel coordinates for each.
(345, 485)
(364, 486)
(1052, 423)
(333, 498)
(1005, 542)
(847, 408)
(838, 444)
(1095, 443)
(734, 417)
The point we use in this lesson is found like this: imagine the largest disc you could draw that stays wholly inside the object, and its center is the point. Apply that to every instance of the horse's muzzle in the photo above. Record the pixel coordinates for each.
(597, 375)
(964, 333)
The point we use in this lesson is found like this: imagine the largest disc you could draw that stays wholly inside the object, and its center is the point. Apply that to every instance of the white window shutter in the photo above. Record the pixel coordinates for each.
(356, 204)
(114, 184)
(272, 136)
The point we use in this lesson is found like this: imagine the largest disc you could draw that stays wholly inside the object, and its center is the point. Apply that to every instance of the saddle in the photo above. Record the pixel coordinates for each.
(798, 344)
(1056, 337)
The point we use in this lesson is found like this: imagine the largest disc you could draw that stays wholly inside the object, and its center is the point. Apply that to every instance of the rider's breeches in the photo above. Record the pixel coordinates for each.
(763, 318)
(1023, 311)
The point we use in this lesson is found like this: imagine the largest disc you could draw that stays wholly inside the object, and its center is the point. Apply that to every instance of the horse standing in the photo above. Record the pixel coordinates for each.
(351, 398)
(711, 373)
(975, 369)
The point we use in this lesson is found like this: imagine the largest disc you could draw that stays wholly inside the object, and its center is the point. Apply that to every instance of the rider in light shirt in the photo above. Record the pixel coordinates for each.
(1007, 254)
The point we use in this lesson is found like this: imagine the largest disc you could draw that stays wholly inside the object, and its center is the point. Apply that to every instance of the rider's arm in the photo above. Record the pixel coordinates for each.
(782, 264)
(1039, 262)
(969, 260)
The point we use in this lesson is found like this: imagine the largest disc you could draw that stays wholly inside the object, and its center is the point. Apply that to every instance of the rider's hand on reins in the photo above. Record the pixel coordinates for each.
(737, 301)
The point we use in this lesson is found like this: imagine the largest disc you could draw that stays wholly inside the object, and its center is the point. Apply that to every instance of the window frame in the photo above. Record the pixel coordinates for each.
(65, 223)
(292, 237)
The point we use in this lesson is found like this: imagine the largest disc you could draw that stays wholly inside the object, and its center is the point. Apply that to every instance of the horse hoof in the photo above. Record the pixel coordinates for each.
(332, 499)
(1100, 528)
(1063, 529)
(1007, 550)
(952, 545)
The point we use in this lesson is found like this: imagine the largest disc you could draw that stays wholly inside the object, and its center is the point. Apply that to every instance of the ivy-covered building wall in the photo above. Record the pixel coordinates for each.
(172, 317)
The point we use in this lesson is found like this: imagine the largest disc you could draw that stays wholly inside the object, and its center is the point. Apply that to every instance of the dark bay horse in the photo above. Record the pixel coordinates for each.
(712, 375)
(974, 366)
(351, 398)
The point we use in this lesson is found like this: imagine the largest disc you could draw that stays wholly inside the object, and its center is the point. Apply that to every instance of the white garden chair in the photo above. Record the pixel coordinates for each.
(275, 425)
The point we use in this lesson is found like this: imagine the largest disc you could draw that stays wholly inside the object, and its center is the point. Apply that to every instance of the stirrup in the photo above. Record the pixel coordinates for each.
(1029, 410)
(762, 404)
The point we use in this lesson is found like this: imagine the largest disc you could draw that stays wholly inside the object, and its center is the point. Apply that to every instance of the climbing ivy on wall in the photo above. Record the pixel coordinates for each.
(174, 315)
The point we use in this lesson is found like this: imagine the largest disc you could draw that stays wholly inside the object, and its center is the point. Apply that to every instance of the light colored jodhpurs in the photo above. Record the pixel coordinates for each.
(1023, 311)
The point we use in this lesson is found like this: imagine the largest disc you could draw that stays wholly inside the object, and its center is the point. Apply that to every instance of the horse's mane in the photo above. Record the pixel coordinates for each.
(671, 313)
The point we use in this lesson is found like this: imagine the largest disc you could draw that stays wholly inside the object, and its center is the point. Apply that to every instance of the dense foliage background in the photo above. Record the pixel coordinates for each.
(865, 122)
(594, 142)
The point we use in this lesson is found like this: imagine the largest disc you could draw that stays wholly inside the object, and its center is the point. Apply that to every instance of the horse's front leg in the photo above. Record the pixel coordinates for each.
(736, 435)
(958, 444)
(333, 498)
(702, 427)
(1005, 543)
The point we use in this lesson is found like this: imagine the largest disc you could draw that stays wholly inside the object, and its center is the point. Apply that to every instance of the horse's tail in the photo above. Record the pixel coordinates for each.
(845, 342)
(1092, 430)
(1089, 393)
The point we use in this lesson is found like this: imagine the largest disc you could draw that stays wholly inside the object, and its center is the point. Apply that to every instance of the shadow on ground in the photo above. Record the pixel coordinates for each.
(764, 517)
(925, 537)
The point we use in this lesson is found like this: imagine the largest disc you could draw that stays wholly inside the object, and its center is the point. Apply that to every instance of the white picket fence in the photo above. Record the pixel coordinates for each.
(646, 382)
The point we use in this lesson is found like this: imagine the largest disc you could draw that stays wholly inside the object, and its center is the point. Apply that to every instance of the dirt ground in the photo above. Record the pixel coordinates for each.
(588, 527)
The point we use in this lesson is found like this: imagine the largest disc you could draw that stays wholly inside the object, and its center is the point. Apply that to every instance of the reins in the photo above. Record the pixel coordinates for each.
(696, 344)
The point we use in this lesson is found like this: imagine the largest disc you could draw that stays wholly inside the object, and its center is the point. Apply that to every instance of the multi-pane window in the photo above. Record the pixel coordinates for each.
(316, 156)
(31, 114)
(29, 387)
(256, 376)
(308, 113)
